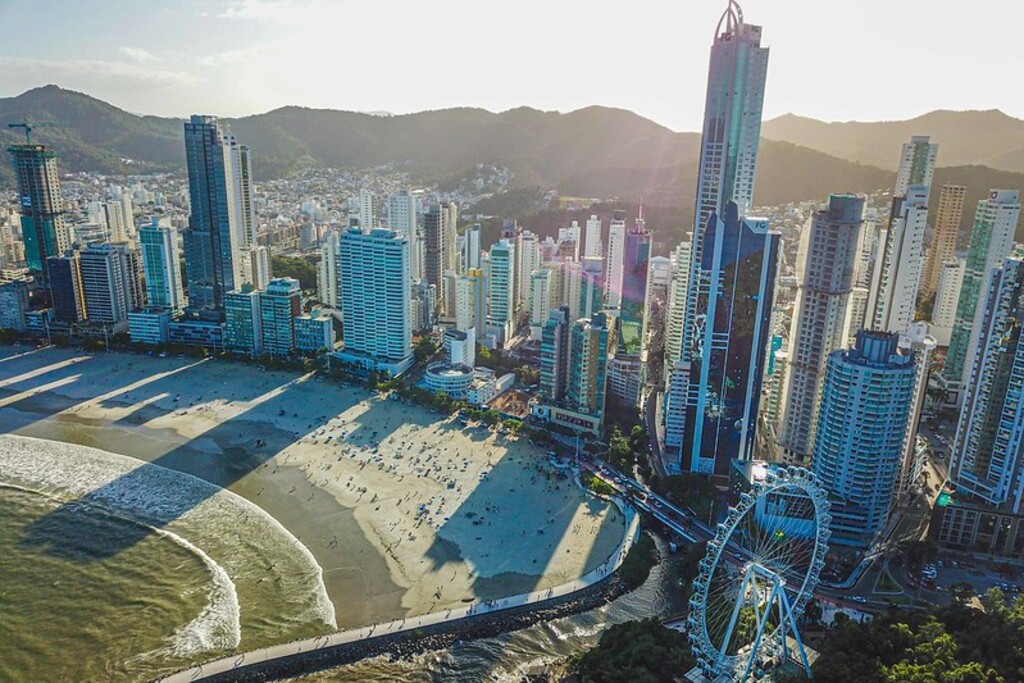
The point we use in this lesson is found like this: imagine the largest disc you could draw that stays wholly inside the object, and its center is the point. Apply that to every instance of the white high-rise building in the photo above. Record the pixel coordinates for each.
(995, 222)
(892, 299)
(471, 248)
(501, 290)
(614, 263)
(858, 447)
(113, 212)
(678, 283)
(528, 257)
(571, 234)
(540, 301)
(159, 246)
(374, 281)
(919, 342)
(327, 274)
(951, 277)
(825, 271)
(367, 214)
(593, 246)
(128, 215)
(987, 460)
(402, 213)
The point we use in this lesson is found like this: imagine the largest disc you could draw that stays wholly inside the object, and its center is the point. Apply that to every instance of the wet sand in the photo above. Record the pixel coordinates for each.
(407, 511)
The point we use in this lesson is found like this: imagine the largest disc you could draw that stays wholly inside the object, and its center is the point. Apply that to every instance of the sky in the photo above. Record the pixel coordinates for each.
(836, 60)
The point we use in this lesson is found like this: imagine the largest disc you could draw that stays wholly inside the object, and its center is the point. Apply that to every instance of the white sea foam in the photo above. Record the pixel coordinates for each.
(219, 624)
(159, 497)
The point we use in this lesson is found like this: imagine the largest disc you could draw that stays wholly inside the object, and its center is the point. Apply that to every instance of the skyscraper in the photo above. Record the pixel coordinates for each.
(327, 274)
(528, 258)
(951, 278)
(892, 299)
(279, 305)
(734, 298)
(113, 212)
(554, 356)
(995, 222)
(374, 271)
(615, 260)
(402, 217)
(593, 246)
(635, 260)
(679, 279)
(367, 210)
(67, 292)
(159, 247)
(987, 462)
(729, 138)
(732, 118)
(501, 290)
(216, 226)
(439, 243)
(471, 255)
(825, 270)
(43, 229)
(858, 445)
(540, 301)
(591, 347)
(110, 283)
(243, 323)
(944, 237)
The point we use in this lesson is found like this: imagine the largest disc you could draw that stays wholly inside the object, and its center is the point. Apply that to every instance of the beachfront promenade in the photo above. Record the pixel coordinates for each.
(235, 665)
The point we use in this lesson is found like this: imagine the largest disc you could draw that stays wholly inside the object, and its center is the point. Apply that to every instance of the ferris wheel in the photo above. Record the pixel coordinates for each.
(760, 570)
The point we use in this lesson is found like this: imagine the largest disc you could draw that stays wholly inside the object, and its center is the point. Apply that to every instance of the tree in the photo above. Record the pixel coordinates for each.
(527, 375)
(636, 651)
(299, 268)
(619, 454)
(424, 349)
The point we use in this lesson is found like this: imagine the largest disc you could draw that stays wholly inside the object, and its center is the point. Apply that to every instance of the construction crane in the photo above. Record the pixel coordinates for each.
(30, 126)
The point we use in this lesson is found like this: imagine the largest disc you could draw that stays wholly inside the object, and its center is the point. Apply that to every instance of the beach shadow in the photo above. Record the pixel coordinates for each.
(486, 531)
(46, 371)
(229, 451)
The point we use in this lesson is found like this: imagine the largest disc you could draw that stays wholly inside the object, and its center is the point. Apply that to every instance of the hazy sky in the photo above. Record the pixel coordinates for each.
(830, 59)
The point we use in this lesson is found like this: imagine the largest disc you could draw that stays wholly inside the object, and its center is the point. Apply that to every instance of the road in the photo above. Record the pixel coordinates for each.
(685, 524)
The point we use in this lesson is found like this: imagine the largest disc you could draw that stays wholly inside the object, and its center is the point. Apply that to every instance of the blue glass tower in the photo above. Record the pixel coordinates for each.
(734, 305)
(210, 248)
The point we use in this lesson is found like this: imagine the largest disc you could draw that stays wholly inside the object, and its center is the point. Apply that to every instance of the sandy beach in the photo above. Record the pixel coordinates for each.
(406, 511)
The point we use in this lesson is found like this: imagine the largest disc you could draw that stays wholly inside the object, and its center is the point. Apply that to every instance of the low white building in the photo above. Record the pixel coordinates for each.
(486, 386)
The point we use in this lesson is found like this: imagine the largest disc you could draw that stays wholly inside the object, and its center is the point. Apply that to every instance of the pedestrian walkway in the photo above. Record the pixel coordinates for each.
(297, 648)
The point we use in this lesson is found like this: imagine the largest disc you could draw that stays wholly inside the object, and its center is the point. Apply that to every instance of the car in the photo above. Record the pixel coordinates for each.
(859, 599)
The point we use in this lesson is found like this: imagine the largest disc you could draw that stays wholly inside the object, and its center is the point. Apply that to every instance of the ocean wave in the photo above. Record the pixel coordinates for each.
(157, 497)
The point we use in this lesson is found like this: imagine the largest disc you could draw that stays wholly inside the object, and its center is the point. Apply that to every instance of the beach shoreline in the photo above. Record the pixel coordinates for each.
(407, 512)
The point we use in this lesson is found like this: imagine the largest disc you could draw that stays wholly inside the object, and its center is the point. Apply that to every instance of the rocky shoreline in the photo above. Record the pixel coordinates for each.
(435, 637)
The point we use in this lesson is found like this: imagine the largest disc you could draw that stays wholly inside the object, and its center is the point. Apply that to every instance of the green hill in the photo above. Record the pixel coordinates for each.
(591, 152)
(966, 138)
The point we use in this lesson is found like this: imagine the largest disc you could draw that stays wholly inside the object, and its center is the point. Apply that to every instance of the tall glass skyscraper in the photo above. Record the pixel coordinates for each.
(734, 301)
(159, 246)
(39, 200)
(216, 227)
(636, 257)
(995, 223)
(731, 132)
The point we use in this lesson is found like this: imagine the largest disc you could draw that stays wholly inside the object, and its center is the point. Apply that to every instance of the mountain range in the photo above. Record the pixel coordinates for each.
(591, 152)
